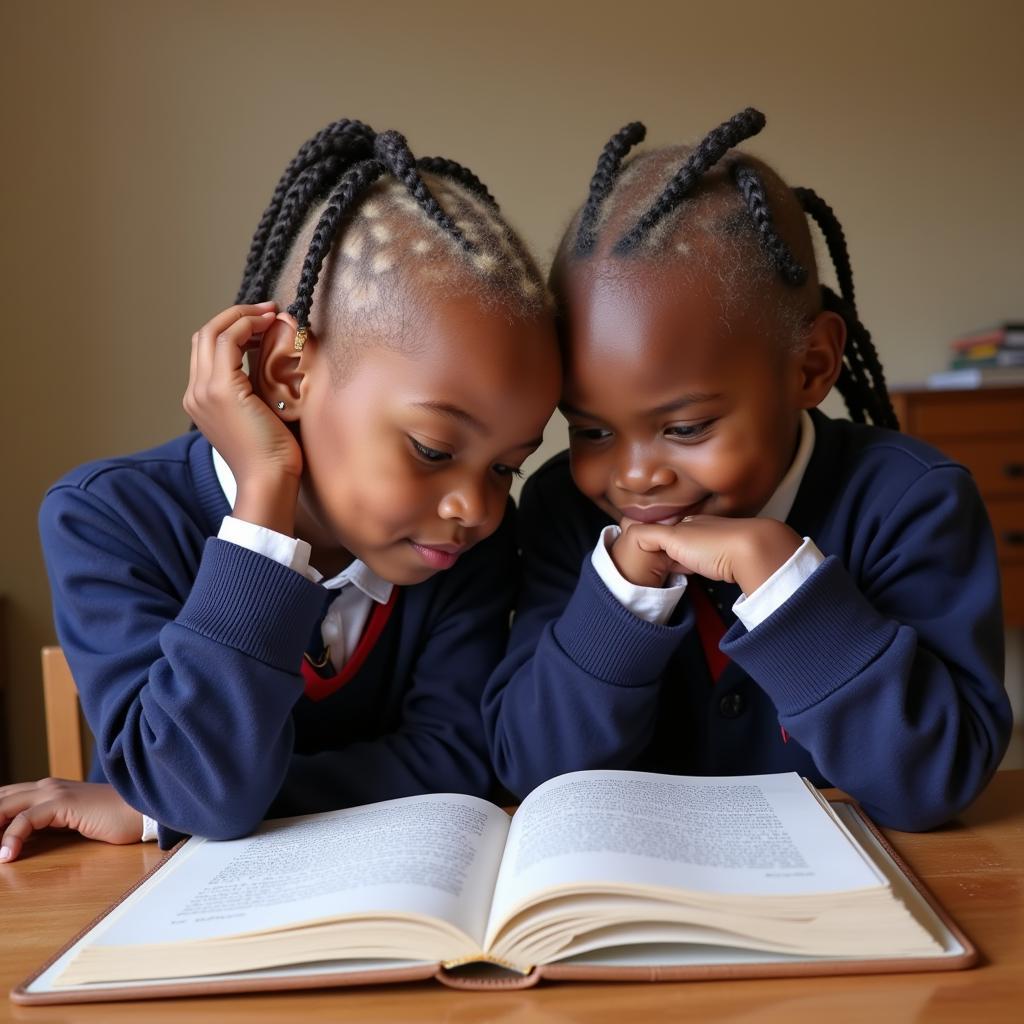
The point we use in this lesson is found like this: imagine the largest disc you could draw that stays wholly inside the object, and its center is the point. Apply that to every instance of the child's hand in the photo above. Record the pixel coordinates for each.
(745, 551)
(263, 455)
(646, 567)
(94, 809)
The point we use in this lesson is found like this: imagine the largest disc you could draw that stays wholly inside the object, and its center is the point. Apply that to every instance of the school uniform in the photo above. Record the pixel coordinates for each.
(205, 667)
(875, 666)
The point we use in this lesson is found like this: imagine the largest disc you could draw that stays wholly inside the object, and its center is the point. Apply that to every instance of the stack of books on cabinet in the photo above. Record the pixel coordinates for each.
(994, 355)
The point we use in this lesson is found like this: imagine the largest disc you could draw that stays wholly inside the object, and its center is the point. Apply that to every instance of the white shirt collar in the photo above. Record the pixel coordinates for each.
(358, 573)
(780, 504)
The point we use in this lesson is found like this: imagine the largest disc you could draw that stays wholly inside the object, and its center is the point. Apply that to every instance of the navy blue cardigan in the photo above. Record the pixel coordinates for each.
(187, 651)
(885, 668)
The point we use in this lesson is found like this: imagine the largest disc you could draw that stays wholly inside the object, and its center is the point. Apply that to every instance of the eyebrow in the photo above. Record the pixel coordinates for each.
(460, 415)
(659, 410)
(453, 412)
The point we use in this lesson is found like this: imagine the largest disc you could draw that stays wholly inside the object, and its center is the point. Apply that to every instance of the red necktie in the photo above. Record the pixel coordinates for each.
(710, 628)
(317, 686)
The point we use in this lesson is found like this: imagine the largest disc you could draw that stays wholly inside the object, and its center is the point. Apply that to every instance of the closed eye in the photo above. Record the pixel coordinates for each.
(589, 434)
(428, 454)
(504, 470)
(688, 431)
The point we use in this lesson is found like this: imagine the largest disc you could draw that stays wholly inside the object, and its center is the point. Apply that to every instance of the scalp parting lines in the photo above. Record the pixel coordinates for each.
(353, 183)
(710, 150)
(393, 152)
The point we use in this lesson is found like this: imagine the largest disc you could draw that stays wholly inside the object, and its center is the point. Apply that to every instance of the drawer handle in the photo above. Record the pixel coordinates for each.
(1014, 470)
(1013, 536)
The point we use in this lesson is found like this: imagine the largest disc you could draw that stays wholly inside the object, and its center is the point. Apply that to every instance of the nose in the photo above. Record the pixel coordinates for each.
(467, 504)
(640, 471)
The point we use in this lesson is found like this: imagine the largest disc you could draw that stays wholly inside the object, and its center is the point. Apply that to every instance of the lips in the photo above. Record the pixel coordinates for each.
(438, 556)
(658, 513)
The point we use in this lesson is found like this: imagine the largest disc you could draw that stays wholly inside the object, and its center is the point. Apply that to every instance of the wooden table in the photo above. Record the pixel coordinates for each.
(975, 867)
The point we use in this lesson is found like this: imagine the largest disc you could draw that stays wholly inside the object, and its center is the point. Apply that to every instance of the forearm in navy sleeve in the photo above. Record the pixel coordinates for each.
(893, 681)
(187, 685)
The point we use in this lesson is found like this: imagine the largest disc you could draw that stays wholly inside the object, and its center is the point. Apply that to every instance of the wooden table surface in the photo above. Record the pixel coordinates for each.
(974, 866)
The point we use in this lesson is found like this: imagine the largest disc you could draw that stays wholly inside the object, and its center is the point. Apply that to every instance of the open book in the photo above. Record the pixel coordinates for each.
(599, 874)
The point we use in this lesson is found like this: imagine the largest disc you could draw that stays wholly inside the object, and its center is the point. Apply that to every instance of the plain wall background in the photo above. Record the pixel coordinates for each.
(142, 141)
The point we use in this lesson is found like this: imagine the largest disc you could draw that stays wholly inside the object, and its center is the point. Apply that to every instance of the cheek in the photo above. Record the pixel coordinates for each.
(370, 490)
(392, 496)
(590, 472)
(725, 467)
(740, 470)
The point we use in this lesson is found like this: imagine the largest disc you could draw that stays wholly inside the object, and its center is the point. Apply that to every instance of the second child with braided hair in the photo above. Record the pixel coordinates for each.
(295, 607)
(718, 578)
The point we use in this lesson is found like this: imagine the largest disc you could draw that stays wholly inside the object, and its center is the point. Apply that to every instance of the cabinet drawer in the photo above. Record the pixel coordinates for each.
(1013, 594)
(1007, 515)
(959, 414)
(997, 466)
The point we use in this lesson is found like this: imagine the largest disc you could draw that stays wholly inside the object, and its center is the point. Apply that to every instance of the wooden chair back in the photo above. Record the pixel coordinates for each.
(63, 718)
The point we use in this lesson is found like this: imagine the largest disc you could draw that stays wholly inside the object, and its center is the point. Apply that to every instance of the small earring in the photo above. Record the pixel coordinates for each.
(280, 405)
(300, 339)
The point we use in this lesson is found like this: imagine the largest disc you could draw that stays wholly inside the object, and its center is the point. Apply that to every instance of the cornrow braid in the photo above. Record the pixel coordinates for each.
(752, 188)
(305, 190)
(609, 164)
(393, 152)
(348, 140)
(705, 155)
(445, 168)
(835, 239)
(354, 181)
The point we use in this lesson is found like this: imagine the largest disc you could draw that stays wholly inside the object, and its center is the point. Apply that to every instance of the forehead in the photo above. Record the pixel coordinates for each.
(655, 326)
(455, 350)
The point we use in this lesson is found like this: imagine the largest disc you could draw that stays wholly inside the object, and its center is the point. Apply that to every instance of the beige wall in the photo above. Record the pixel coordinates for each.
(142, 140)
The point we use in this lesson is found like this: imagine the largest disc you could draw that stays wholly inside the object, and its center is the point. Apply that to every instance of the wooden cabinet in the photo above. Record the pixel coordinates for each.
(984, 430)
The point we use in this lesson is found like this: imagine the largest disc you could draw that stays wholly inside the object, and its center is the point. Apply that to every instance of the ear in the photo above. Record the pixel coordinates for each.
(279, 373)
(821, 359)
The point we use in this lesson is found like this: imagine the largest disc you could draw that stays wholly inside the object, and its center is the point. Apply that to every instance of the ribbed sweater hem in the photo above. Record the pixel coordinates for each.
(611, 643)
(827, 622)
(252, 603)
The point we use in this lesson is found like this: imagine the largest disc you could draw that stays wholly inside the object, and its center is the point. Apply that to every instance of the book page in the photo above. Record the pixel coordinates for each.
(746, 835)
(434, 855)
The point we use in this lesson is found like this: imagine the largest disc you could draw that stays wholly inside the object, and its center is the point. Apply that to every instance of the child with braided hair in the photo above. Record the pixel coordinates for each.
(296, 606)
(718, 578)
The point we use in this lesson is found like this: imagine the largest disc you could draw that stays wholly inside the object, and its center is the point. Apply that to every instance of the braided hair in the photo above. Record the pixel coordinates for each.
(691, 189)
(355, 206)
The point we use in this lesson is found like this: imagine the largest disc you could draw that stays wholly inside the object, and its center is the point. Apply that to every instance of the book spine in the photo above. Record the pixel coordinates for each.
(1008, 336)
(973, 341)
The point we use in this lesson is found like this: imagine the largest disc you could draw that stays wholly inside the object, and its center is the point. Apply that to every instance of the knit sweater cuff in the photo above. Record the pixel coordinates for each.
(610, 643)
(250, 602)
(823, 636)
